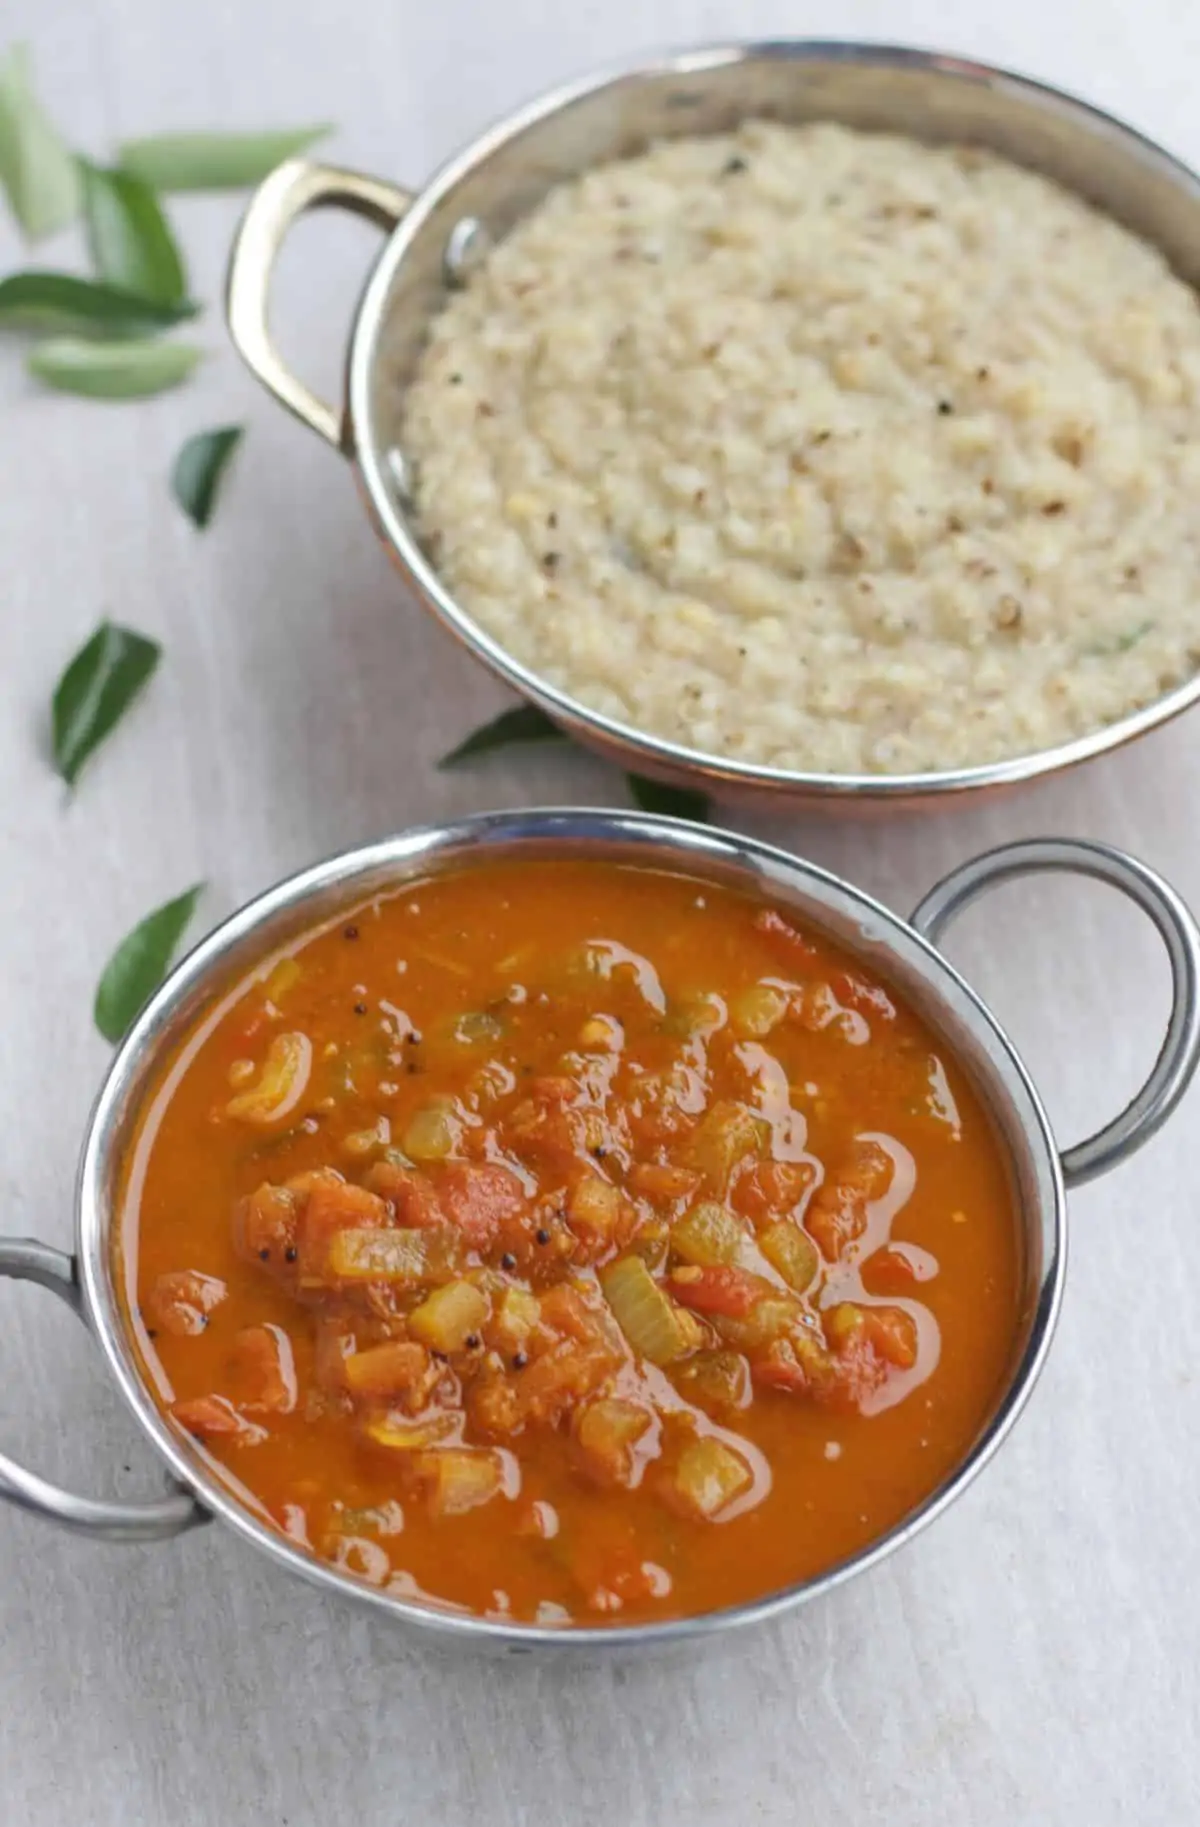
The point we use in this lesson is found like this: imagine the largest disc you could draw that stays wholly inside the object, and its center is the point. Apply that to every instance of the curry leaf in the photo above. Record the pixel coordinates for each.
(129, 238)
(61, 301)
(112, 371)
(213, 161)
(96, 690)
(675, 802)
(140, 963)
(36, 168)
(199, 468)
(526, 723)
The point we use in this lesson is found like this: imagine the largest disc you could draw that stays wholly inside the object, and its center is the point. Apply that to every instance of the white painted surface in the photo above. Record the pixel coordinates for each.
(1033, 1659)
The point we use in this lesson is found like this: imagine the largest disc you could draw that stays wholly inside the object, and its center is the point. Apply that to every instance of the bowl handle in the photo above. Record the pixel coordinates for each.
(23, 1259)
(293, 188)
(1180, 1051)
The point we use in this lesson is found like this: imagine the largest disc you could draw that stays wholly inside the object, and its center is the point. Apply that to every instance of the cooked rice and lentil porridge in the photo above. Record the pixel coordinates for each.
(822, 450)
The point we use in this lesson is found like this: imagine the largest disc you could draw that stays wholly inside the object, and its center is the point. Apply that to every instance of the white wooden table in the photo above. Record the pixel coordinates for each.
(1032, 1662)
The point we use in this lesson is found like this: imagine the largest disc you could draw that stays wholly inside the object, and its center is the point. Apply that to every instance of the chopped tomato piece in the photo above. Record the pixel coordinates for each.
(662, 1185)
(779, 1368)
(867, 1342)
(495, 1406)
(562, 1377)
(539, 1242)
(265, 1223)
(889, 1271)
(215, 1418)
(660, 1115)
(410, 1194)
(565, 1311)
(182, 1301)
(480, 1199)
(797, 1363)
(728, 1291)
(551, 1385)
(783, 936)
(890, 1332)
(868, 998)
(816, 1007)
(262, 1370)
(549, 1136)
(838, 1211)
(772, 1189)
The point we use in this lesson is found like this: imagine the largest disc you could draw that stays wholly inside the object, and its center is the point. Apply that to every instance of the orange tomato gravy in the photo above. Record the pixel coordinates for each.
(570, 1243)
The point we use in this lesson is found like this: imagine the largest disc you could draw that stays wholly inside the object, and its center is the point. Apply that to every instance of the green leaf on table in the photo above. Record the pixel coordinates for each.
(64, 302)
(198, 470)
(526, 723)
(140, 963)
(96, 690)
(37, 169)
(129, 238)
(112, 371)
(674, 802)
(214, 161)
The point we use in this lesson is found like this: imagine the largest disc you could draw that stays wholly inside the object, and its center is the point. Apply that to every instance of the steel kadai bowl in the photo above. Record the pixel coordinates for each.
(904, 952)
(433, 236)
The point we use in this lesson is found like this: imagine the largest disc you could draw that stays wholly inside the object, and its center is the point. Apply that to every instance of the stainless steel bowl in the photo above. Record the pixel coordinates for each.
(480, 194)
(903, 952)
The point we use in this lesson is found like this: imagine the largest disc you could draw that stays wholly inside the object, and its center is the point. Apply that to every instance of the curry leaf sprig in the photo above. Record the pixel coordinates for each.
(106, 333)
(102, 337)
(526, 724)
(115, 321)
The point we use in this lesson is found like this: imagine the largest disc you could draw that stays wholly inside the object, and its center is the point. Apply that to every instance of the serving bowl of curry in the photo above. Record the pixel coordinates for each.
(576, 1228)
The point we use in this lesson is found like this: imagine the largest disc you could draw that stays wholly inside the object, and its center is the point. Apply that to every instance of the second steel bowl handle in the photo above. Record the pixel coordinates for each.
(1180, 1051)
(292, 189)
(23, 1259)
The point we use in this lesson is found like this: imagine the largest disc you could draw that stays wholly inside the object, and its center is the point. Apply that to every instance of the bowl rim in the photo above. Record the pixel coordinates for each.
(691, 849)
(368, 445)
